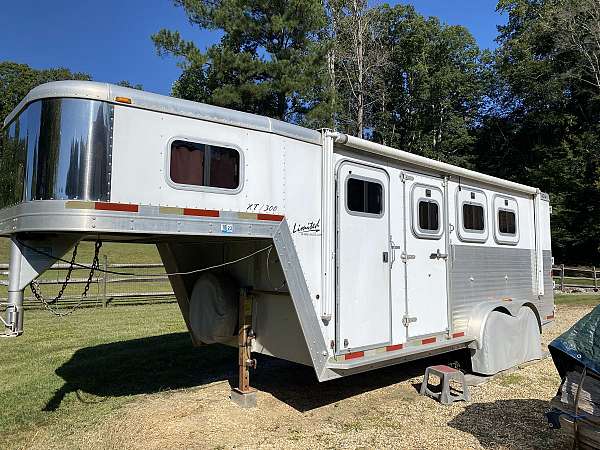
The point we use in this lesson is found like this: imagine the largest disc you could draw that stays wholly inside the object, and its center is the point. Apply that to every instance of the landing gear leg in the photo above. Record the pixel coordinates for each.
(244, 396)
(13, 325)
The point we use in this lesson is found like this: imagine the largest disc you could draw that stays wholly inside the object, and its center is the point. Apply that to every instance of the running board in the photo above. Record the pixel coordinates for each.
(408, 353)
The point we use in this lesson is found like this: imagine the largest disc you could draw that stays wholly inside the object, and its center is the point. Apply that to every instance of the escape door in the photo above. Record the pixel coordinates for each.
(426, 256)
(362, 258)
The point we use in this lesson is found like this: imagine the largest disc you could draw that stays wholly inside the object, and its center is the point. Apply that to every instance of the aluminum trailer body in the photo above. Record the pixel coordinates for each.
(378, 256)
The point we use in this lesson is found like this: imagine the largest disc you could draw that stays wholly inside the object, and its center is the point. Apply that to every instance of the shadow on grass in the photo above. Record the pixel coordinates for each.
(518, 423)
(166, 362)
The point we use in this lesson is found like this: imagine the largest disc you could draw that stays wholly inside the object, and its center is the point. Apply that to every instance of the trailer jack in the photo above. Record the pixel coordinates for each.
(13, 325)
(244, 395)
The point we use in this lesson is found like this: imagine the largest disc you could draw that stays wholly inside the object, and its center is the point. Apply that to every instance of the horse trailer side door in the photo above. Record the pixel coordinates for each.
(362, 258)
(426, 265)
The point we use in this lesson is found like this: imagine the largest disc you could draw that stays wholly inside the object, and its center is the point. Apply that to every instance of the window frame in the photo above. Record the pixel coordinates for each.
(506, 238)
(462, 213)
(507, 210)
(465, 234)
(415, 200)
(368, 180)
(193, 187)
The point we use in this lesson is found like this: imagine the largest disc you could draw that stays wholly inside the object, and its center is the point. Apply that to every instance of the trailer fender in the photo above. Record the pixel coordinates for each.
(482, 311)
(507, 340)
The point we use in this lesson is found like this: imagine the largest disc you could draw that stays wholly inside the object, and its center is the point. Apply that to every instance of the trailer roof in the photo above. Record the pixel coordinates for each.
(185, 108)
(162, 103)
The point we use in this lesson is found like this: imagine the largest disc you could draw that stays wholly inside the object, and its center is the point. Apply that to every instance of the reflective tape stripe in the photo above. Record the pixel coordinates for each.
(430, 340)
(354, 355)
(457, 335)
(246, 215)
(102, 206)
(393, 348)
(170, 210)
(200, 212)
(273, 217)
(550, 317)
(80, 204)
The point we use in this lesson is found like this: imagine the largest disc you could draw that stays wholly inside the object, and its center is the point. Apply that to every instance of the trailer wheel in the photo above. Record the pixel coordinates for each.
(214, 308)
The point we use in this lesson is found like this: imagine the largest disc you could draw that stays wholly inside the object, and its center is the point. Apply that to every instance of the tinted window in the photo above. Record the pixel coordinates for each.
(428, 215)
(507, 222)
(364, 196)
(205, 165)
(473, 217)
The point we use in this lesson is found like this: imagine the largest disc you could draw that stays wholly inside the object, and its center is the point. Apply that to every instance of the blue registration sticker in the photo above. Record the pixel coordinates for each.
(226, 228)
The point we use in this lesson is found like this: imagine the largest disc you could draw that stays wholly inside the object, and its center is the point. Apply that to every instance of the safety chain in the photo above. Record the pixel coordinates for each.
(37, 292)
(95, 265)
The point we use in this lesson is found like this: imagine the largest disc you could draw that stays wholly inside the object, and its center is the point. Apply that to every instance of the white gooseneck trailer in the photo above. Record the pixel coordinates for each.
(352, 254)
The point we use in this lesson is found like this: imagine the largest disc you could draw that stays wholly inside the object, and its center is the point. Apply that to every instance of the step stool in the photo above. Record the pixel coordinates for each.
(446, 374)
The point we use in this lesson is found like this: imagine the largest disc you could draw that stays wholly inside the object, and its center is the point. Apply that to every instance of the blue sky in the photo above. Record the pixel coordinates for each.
(111, 39)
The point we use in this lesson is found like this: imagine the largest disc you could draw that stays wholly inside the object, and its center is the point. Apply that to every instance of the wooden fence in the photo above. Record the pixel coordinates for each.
(575, 277)
(147, 284)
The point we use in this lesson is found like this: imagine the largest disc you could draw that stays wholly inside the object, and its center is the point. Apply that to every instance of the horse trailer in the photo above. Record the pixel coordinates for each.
(312, 246)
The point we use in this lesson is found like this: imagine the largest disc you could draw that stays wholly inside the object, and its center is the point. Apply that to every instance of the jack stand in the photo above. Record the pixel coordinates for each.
(244, 396)
(13, 325)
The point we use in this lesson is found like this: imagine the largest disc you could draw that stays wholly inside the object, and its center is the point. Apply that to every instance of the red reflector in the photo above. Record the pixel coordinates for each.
(200, 212)
(430, 340)
(273, 217)
(116, 207)
(457, 335)
(354, 355)
(550, 317)
(392, 348)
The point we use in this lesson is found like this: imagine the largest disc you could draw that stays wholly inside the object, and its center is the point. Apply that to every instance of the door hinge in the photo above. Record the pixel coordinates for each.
(393, 247)
(405, 256)
(406, 320)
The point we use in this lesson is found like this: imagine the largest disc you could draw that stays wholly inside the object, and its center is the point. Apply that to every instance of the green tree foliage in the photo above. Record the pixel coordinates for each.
(267, 61)
(128, 84)
(16, 80)
(432, 87)
(543, 124)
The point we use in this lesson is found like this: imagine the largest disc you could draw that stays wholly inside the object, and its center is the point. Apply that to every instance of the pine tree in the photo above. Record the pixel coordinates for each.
(269, 60)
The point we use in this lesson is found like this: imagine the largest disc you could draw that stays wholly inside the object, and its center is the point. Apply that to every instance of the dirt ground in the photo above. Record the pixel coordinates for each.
(379, 409)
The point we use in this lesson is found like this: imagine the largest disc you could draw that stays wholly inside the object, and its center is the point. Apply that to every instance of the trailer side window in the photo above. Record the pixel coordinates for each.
(204, 165)
(507, 222)
(473, 218)
(429, 215)
(364, 196)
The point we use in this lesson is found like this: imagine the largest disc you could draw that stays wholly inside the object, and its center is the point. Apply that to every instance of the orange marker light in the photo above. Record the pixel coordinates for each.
(123, 100)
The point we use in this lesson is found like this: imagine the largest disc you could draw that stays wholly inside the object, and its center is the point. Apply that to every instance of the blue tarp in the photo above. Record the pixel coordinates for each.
(579, 346)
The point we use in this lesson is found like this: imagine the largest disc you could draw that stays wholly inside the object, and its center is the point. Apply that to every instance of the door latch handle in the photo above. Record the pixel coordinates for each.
(386, 257)
(405, 256)
(438, 255)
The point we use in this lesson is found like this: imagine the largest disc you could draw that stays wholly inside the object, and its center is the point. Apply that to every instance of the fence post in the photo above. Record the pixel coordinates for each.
(562, 277)
(104, 281)
(595, 278)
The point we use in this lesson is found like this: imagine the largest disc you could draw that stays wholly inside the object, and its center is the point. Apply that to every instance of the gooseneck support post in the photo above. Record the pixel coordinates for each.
(14, 310)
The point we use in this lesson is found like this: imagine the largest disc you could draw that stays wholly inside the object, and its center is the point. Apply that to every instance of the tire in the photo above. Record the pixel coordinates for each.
(214, 309)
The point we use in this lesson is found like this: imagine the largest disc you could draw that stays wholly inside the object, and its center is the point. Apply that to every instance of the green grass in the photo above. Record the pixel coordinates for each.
(511, 379)
(67, 374)
(577, 281)
(577, 299)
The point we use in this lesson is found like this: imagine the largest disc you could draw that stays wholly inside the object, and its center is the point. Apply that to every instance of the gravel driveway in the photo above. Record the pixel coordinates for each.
(374, 410)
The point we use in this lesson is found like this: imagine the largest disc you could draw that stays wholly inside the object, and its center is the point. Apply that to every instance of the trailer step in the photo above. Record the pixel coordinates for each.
(408, 353)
